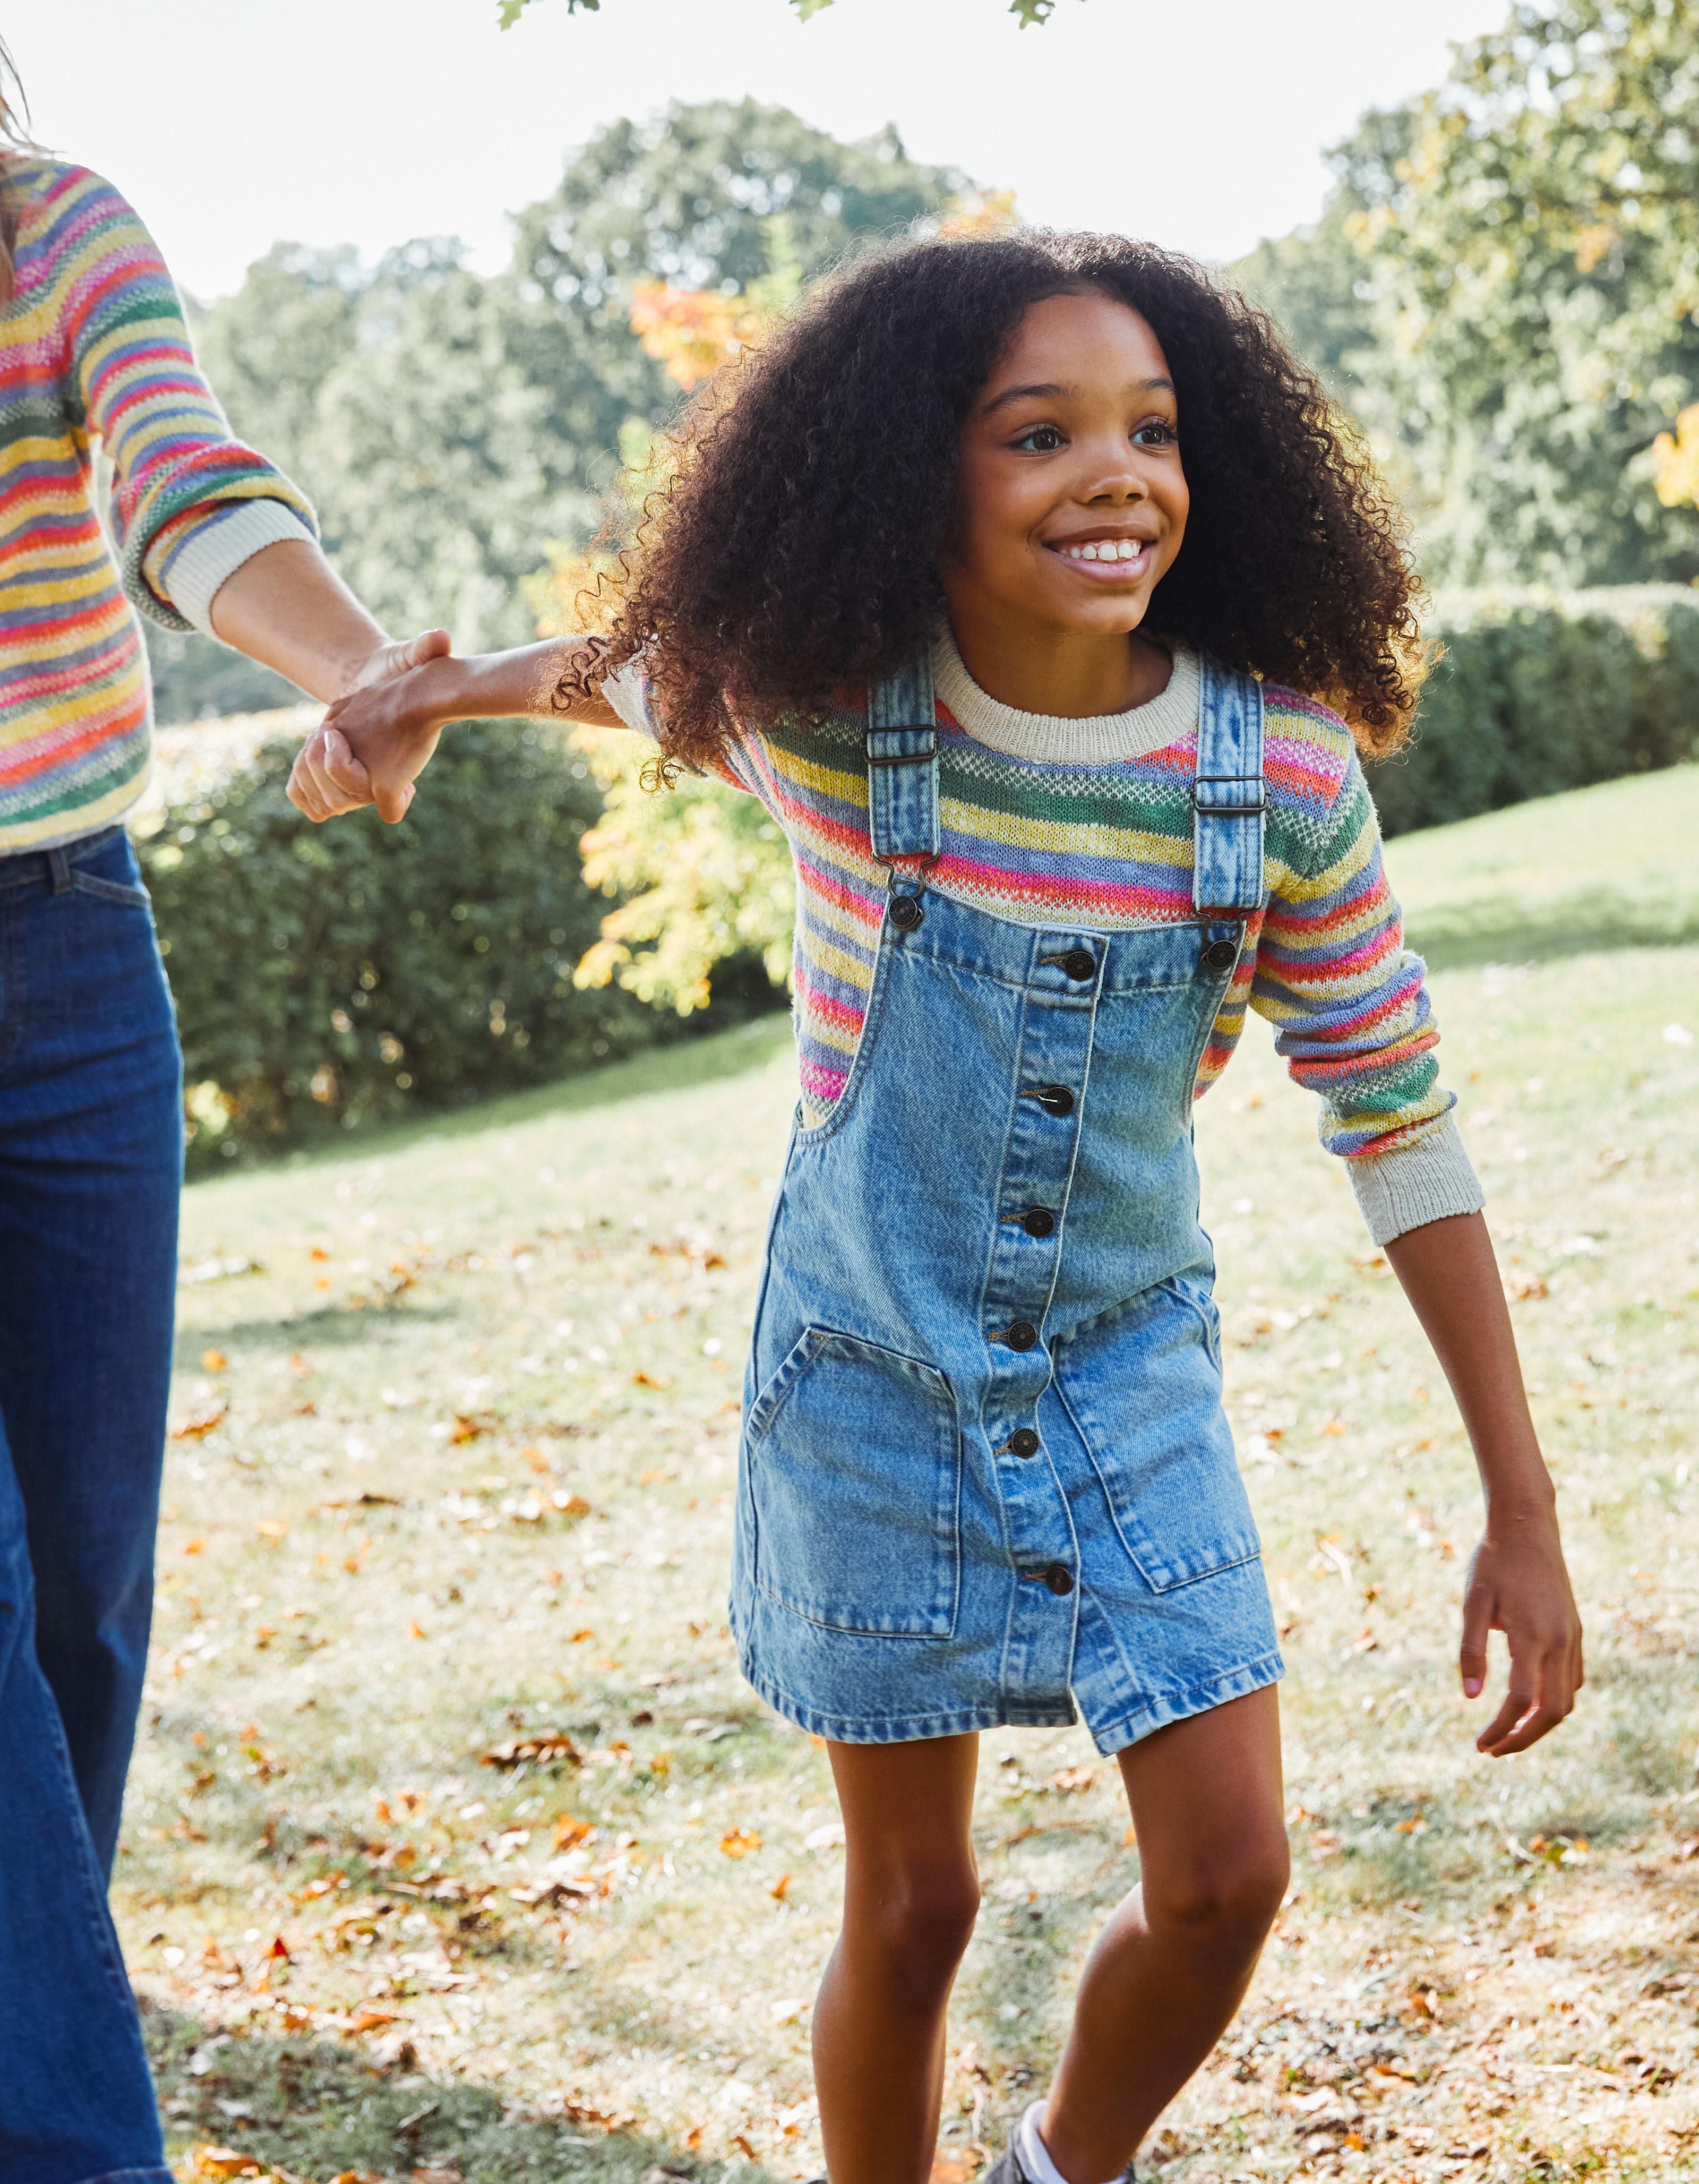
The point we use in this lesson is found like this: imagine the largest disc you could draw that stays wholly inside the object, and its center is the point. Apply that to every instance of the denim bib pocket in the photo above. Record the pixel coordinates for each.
(855, 1471)
(1143, 1389)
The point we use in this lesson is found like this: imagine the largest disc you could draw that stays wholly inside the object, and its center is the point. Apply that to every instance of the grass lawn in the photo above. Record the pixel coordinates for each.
(455, 1846)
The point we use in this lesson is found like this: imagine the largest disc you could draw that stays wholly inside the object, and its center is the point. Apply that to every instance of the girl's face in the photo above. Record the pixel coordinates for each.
(1071, 501)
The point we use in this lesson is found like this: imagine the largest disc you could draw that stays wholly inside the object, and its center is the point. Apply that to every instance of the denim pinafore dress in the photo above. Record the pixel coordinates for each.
(985, 1476)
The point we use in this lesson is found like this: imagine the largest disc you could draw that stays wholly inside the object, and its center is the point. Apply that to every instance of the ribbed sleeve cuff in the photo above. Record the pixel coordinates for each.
(627, 693)
(1428, 1179)
(214, 550)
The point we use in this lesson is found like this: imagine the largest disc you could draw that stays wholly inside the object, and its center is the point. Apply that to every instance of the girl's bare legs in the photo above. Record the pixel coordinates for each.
(910, 1896)
(1172, 1964)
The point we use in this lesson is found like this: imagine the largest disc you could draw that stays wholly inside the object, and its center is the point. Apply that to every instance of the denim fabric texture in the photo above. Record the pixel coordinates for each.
(985, 1475)
(90, 1156)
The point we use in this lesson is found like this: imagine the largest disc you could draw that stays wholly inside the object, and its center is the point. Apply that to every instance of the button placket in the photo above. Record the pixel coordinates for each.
(1052, 1060)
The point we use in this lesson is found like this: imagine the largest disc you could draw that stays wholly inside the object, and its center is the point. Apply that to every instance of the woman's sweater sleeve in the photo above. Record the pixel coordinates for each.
(1353, 1022)
(189, 503)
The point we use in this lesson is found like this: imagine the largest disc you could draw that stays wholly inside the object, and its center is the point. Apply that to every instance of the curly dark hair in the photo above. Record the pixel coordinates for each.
(795, 546)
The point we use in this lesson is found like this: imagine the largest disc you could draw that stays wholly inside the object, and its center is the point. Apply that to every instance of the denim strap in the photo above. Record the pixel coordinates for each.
(1228, 799)
(902, 765)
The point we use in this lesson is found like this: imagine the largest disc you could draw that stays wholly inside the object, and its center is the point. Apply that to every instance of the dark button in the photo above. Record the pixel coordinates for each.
(1056, 1576)
(1021, 1335)
(1220, 956)
(906, 913)
(1024, 1442)
(1078, 963)
(1054, 1099)
(1038, 1221)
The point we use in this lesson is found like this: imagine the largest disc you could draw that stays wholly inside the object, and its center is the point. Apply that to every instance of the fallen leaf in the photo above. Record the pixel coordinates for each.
(738, 1842)
(548, 1745)
(780, 1888)
(201, 1423)
(416, 1630)
(213, 1361)
(222, 2161)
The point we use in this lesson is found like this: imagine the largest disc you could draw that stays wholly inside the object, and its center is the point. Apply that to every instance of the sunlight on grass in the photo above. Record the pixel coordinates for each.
(1613, 866)
(456, 1844)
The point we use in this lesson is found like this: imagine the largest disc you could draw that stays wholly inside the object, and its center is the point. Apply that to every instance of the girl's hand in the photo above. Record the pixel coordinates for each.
(373, 743)
(1517, 1584)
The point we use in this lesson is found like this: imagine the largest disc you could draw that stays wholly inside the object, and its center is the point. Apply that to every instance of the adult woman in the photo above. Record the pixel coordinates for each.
(208, 535)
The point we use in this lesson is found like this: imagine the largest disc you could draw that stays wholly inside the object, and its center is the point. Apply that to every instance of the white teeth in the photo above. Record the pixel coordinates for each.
(1106, 550)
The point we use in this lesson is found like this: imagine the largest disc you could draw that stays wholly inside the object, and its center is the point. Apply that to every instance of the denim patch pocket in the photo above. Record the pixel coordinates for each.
(114, 891)
(1143, 1388)
(854, 1465)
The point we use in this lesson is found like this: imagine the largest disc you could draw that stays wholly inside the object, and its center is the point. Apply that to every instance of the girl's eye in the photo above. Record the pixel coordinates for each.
(1158, 433)
(1041, 440)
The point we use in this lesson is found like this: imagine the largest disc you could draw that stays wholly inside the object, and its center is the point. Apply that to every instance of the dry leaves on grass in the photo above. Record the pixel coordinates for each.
(738, 1842)
(521, 1751)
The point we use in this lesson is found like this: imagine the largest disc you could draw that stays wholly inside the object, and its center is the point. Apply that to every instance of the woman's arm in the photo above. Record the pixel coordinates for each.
(1516, 1581)
(373, 745)
(288, 608)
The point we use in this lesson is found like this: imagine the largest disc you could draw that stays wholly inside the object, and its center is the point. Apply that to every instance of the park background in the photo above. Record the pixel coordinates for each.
(455, 1848)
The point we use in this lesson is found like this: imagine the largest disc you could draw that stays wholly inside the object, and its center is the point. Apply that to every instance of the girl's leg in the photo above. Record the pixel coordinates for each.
(1172, 1964)
(910, 1896)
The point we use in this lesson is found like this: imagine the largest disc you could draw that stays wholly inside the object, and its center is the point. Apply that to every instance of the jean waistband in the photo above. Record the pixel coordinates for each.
(53, 865)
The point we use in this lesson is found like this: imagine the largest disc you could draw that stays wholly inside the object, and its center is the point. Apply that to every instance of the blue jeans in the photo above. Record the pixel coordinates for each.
(91, 1157)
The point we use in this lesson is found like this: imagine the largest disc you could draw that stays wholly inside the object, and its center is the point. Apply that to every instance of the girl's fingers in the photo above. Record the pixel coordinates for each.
(303, 792)
(1516, 1705)
(342, 769)
(1471, 1654)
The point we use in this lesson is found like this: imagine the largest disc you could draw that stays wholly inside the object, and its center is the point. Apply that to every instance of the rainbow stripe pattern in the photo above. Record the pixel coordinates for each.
(94, 347)
(1105, 847)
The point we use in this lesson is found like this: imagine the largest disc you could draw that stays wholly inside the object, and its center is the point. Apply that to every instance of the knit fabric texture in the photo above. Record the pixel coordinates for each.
(94, 347)
(1106, 845)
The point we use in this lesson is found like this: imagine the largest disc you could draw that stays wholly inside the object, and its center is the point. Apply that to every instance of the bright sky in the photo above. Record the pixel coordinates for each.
(232, 123)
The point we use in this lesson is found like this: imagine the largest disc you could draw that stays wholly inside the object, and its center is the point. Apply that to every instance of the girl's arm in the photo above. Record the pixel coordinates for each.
(373, 745)
(1517, 1582)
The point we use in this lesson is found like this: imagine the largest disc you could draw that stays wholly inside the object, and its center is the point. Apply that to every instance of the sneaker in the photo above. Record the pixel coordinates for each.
(1008, 2169)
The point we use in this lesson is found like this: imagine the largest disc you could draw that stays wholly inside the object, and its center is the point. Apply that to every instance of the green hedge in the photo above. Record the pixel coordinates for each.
(1540, 692)
(327, 976)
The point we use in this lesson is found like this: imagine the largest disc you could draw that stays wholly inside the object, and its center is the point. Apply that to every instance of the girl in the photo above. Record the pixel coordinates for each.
(1038, 594)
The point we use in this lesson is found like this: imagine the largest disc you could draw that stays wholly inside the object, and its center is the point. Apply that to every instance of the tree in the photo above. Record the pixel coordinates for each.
(1506, 287)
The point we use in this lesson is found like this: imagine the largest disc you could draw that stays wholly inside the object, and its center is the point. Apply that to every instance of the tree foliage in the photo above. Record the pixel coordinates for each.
(1505, 286)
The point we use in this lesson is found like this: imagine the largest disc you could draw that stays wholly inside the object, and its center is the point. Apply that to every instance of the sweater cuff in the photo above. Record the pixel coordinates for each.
(1428, 1179)
(212, 551)
(627, 693)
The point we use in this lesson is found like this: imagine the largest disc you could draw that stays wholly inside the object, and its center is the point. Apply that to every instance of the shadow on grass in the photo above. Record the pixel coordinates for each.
(1581, 924)
(317, 2108)
(686, 1066)
(326, 1327)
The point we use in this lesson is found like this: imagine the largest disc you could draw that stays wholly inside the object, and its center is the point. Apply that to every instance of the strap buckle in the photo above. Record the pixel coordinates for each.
(1230, 806)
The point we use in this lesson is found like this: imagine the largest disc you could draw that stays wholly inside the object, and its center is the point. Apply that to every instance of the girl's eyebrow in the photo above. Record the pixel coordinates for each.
(1048, 390)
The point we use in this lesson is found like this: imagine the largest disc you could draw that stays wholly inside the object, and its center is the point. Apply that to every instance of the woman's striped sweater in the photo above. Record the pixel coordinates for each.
(1096, 841)
(94, 347)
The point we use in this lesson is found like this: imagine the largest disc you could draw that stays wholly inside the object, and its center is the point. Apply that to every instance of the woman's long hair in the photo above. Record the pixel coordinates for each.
(14, 136)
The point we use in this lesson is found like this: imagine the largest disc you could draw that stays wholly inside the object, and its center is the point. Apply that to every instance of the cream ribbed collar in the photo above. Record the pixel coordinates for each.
(1054, 740)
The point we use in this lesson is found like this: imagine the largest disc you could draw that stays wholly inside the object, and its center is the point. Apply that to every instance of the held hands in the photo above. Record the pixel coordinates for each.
(377, 736)
(1517, 1584)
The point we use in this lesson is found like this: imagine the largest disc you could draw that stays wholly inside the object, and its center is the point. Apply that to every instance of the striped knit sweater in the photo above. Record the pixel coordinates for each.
(1087, 825)
(94, 347)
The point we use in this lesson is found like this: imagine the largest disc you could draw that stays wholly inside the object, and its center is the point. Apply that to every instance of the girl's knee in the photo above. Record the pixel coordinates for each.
(1232, 1897)
(923, 1920)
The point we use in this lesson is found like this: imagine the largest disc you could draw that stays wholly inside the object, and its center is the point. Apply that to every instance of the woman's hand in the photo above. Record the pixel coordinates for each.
(377, 736)
(1517, 1584)
(374, 742)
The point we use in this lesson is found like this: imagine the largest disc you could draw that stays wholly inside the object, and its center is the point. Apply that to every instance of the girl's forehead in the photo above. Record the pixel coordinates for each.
(1079, 337)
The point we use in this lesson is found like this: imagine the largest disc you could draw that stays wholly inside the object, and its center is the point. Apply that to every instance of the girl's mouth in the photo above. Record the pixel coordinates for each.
(1110, 558)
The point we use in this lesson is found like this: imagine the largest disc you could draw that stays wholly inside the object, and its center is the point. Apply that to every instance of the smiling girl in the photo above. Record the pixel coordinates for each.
(1045, 604)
